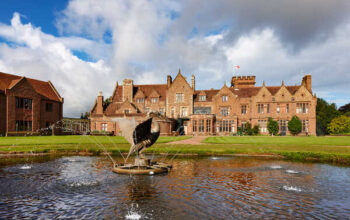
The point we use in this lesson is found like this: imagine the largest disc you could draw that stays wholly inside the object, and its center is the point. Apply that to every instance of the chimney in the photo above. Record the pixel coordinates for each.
(99, 107)
(169, 81)
(193, 82)
(128, 87)
(307, 82)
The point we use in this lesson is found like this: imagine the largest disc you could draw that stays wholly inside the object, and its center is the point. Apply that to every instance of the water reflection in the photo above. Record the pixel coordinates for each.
(196, 188)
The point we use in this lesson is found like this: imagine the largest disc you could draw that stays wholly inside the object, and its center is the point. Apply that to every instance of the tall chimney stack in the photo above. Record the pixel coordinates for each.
(99, 107)
(128, 87)
(307, 82)
(193, 82)
(169, 81)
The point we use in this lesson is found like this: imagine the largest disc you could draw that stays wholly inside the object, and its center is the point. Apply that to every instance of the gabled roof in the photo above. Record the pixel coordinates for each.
(148, 89)
(139, 93)
(154, 93)
(245, 92)
(145, 89)
(202, 92)
(114, 107)
(118, 94)
(178, 76)
(253, 91)
(8, 81)
(209, 94)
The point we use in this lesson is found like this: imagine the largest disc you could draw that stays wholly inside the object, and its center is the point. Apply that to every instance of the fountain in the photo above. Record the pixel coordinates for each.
(141, 137)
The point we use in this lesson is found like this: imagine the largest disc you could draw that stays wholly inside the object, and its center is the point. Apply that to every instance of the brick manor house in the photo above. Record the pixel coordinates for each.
(27, 105)
(209, 112)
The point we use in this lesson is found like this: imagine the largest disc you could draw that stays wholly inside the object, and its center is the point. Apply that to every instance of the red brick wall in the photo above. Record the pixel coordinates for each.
(179, 85)
(280, 98)
(37, 114)
(2, 114)
(50, 117)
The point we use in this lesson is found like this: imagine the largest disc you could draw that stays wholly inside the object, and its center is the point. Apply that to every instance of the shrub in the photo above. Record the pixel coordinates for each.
(248, 129)
(272, 126)
(256, 129)
(239, 130)
(339, 125)
(295, 125)
(101, 133)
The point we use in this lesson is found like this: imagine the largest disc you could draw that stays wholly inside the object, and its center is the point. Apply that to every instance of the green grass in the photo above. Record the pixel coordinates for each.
(320, 149)
(328, 154)
(74, 139)
(282, 141)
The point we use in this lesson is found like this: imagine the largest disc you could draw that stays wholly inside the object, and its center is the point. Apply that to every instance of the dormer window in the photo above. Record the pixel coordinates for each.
(224, 98)
(154, 100)
(140, 100)
(202, 98)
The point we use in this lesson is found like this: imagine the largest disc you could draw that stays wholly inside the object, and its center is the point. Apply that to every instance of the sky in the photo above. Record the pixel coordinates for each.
(86, 46)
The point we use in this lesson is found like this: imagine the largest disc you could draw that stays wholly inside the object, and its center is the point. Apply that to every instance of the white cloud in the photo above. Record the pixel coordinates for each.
(42, 56)
(151, 39)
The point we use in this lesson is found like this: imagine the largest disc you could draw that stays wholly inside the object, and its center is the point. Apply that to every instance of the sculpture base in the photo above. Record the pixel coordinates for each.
(142, 167)
(142, 162)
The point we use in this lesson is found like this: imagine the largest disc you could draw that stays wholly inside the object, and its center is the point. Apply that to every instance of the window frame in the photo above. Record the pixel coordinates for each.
(179, 97)
(154, 100)
(224, 111)
(244, 109)
(49, 107)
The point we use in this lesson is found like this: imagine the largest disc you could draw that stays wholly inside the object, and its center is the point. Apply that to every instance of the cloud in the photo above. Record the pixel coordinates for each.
(147, 40)
(42, 56)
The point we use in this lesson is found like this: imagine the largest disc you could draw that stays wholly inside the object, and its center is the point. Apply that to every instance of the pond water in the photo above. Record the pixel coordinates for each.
(196, 188)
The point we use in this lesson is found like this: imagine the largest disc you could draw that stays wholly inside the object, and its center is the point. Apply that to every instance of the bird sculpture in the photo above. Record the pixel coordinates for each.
(144, 135)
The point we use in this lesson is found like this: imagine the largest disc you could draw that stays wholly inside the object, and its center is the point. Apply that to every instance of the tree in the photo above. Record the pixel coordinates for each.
(325, 112)
(86, 116)
(345, 108)
(272, 126)
(339, 125)
(294, 125)
(106, 103)
(347, 114)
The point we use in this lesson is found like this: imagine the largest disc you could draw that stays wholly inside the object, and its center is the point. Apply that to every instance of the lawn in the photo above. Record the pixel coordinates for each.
(319, 149)
(74, 139)
(282, 141)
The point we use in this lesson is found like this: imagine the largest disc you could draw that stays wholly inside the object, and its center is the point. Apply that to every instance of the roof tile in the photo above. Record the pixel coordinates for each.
(41, 87)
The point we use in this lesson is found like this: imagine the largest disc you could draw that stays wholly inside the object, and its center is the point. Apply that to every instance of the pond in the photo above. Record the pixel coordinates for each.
(197, 188)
